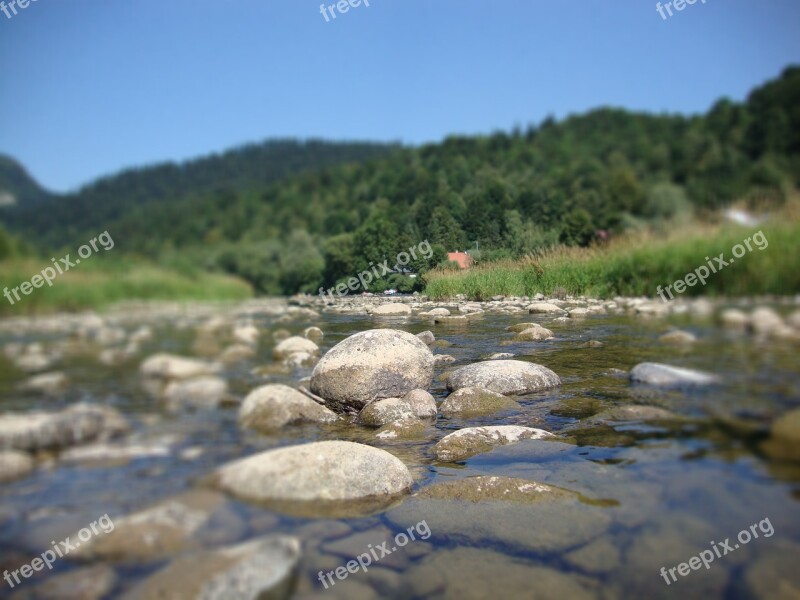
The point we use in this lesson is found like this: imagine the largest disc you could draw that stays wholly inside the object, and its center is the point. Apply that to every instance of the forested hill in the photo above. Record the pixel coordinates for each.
(134, 191)
(511, 192)
(17, 188)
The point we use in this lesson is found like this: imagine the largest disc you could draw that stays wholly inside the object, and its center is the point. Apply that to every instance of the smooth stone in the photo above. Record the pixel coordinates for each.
(373, 364)
(470, 441)
(427, 337)
(545, 308)
(394, 309)
(577, 313)
(765, 321)
(246, 334)
(404, 429)
(678, 337)
(422, 403)
(520, 327)
(476, 401)
(255, 570)
(236, 353)
(274, 406)
(438, 312)
(294, 345)
(87, 583)
(534, 334)
(499, 356)
(381, 412)
(317, 473)
(443, 359)
(15, 465)
(198, 392)
(504, 377)
(46, 383)
(666, 375)
(735, 318)
(313, 333)
(170, 366)
(105, 454)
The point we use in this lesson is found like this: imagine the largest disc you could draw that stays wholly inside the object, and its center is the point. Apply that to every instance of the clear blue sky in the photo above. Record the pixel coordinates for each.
(88, 87)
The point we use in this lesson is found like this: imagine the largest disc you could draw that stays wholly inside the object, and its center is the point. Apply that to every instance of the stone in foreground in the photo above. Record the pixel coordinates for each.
(374, 364)
(464, 443)
(504, 377)
(471, 401)
(274, 406)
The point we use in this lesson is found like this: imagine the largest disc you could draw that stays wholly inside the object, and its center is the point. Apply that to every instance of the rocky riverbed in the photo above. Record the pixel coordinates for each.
(553, 448)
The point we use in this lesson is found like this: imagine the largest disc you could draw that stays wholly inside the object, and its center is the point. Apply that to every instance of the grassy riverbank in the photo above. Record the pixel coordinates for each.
(637, 264)
(98, 283)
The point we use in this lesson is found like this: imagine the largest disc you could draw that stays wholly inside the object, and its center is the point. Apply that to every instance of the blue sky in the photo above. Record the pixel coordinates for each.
(88, 87)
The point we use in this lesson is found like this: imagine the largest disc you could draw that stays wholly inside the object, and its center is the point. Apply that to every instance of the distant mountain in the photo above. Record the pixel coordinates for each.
(94, 207)
(17, 188)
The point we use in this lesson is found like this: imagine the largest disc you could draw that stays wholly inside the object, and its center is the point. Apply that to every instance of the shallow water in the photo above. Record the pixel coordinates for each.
(652, 495)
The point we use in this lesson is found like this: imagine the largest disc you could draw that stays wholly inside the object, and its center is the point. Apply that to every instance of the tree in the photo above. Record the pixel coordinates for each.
(577, 229)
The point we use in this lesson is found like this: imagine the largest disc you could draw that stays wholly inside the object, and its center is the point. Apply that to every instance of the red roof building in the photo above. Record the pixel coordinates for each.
(463, 259)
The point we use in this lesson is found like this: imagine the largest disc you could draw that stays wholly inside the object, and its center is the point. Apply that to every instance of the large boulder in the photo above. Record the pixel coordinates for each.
(254, 570)
(504, 377)
(77, 424)
(274, 406)
(464, 443)
(666, 375)
(316, 474)
(374, 364)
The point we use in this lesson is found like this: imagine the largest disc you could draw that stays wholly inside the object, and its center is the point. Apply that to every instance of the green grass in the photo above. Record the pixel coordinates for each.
(636, 265)
(101, 281)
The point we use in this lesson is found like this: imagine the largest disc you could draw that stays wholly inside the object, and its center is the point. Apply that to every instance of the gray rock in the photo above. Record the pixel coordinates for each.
(198, 392)
(666, 375)
(427, 337)
(313, 333)
(534, 334)
(438, 312)
(374, 364)
(381, 412)
(520, 327)
(294, 345)
(404, 429)
(274, 406)
(316, 473)
(236, 353)
(464, 443)
(46, 383)
(443, 359)
(77, 424)
(88, 583)
(394, 309)
(678, 337)
(169, 366)
(471, 401)
(14, 465)
(545, 308)
(504, 377)
(255, 570)
(422, 403)
(735, 318)
(499, 356)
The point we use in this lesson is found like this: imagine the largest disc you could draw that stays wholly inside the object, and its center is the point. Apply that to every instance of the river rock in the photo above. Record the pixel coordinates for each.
(274, 406)
(313, 333)
(504, 377)
(14, 465)
(236, 353)
(443, 359)
(765, 321)
(471, 401)
(315, 473)
(534, 334)
(404, 429)
(374, 364)
(484, 573)
(438, 312)
(422, 403)
(170, 366)
(294, 345)
(87, 583)
(46, 383)
(545, 308)
(520, 327)
(381, 412)
(498, 356)
(255, 570)
(734, 318)
(678, 337)
(394, 309)
(77, 424)
(246, 334)
(784, 441)
(666, 375)
(464, 443)
(154, 533)
(197, 392)
(427, 337)
(517, 513)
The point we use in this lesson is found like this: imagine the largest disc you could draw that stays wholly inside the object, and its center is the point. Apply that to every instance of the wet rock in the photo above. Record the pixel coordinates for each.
(499, 356)
(470, 401)
(294, 345)
(451, 320)
(666, 375)
(514, 512)
(274, 406)
(88, 583)
(246, 334)
(438, 312)
(765, 321)
(198, 392)
(154, 533)
(735, 318)
(784, 441)
(404, 429)
(678, 337)
(422, 403)
(520, 327)
(534, 334)
(464, 443)
(313, 333)
(122, 453)
(427, 337)
(394, 309)
(77, 424)
(504, 377)
(236, 353)
(315, 473)
(170, 366)
(443, 359)
(255, 570)
(632, 412)
(545, 308)
(374, 364)
(300, 359)
(481, 573)
(14, 465)
(577, 313)
(441, 344)
(381, 412)
(46, 383)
